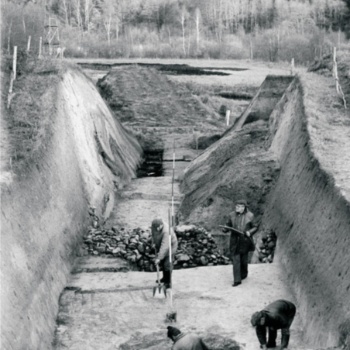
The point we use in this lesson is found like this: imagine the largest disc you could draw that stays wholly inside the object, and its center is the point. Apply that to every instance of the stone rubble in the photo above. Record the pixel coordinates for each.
(266, 247)
(196, 247)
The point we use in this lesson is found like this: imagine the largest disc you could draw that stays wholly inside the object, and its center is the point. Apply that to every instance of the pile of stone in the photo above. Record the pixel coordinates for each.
(266, 247)
(196, 247)
(134, 246)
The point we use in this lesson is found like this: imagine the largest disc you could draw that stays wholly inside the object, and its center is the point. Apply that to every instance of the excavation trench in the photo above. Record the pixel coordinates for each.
(105, 304)
(107, 293)
(127, 314)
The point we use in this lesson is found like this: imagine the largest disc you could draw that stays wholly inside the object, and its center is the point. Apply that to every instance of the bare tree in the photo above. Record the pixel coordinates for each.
(88, 7)
(108, 15)
(65, 10)
(183, 17)
(197, 16)
(77, 5)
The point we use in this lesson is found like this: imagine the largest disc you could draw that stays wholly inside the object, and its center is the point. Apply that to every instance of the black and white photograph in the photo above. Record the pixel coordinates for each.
(175, 174)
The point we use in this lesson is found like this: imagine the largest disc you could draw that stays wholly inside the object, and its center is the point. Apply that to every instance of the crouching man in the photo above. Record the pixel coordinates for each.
(277, 315)
(185, 341)
(160, 238)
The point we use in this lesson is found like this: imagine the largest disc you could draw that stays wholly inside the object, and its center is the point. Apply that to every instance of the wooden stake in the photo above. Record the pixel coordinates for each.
(14, 65)
(292, 68)
(228, 117)
(28, 45)
(10, 95)
(40, 46)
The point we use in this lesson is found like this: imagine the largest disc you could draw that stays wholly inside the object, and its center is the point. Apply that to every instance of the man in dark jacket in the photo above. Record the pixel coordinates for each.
(277, 315)
(185, 341)
(240, 245)
(160, 238)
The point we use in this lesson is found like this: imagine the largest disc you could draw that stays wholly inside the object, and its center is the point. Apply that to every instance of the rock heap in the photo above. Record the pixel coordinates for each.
(266, 247)
(196, 246)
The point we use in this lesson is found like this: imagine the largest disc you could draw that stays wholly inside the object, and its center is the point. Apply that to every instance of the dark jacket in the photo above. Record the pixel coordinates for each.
(278, 315)
(188, 342)
(242, 222)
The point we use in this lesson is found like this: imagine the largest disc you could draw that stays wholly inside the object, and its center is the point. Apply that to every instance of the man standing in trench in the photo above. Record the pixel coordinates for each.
(242, 220)
(160, 238)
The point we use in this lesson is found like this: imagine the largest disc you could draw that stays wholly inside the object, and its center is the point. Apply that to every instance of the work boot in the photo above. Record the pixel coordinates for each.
(284, 340)
(167, 279)
(236, 284)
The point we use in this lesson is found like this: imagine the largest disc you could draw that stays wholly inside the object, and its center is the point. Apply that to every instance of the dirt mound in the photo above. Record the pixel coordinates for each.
(158, 341)
(28, 118)
(236, 166)
(174, 69)
(142, 97)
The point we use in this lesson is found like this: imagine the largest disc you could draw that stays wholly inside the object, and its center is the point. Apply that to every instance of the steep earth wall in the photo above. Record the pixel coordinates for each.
(263, 103)
(309, 210)
(44, 212)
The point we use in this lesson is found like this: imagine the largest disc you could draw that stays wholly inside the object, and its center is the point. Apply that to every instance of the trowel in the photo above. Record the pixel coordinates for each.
(159, 291)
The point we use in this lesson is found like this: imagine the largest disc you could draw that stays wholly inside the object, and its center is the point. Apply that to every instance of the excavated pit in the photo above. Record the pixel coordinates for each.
(152, 164)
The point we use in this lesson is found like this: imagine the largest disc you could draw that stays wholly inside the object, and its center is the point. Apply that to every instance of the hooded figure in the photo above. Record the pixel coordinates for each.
(240, 245)
(277, 315)
(185, 341)
(160, 238)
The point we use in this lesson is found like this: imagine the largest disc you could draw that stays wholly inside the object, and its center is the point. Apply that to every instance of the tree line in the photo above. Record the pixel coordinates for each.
(265, 29)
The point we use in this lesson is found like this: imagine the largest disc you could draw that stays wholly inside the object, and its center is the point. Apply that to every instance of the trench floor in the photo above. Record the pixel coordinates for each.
(105, 310)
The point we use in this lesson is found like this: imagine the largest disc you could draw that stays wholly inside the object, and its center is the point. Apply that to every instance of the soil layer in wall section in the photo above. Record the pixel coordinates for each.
(312, 222)
(42, 219)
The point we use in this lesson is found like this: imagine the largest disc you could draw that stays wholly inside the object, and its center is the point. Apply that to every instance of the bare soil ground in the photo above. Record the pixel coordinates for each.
(329, 126)
(101, 310)
(144, 97)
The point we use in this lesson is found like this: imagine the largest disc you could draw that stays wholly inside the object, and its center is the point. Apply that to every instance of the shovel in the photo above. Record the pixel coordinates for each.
(172, 314)
(159, 290)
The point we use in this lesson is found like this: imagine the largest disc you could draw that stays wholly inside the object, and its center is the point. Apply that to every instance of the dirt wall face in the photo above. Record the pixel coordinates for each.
(42, 220)
(312, 221)
(45, 210)
(107, 155)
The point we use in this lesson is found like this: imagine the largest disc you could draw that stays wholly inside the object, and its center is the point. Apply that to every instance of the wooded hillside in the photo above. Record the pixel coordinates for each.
(258, 29)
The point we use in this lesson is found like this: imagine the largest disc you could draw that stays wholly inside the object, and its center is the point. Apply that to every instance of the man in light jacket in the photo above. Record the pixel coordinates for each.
(160, 238)
(185, 341)
(277, 315)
